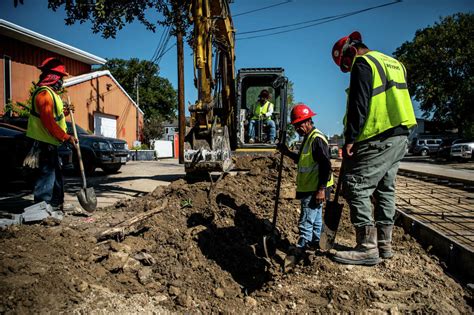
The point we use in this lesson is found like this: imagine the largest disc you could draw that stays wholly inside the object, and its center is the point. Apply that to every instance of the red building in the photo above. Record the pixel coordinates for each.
(101, 105)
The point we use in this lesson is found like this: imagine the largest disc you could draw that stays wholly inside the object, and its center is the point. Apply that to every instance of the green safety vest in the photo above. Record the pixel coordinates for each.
(261, 110)
(307, 178)
(390, 105)
(35, 129)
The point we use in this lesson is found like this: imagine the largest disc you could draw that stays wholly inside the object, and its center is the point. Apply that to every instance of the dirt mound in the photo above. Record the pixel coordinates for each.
(198, 253)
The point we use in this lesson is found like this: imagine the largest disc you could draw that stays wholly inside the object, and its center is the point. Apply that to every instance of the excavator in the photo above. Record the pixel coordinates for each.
(220, 117)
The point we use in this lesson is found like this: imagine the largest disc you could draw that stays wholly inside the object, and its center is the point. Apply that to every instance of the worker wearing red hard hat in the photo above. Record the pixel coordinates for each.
(314, 177)
(377, 122)
(47, 126)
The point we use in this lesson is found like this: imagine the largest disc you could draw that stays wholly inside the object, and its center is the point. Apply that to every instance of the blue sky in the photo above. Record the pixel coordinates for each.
(305, 54)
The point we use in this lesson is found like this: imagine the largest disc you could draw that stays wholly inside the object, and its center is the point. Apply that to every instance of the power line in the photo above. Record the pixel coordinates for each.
(260, 9)
(165, 35)
(164, 53)
(319, 22)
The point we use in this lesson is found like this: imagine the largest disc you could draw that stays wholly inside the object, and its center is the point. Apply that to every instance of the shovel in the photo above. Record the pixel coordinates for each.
(270, 240)
(332, 216)
(86, 196)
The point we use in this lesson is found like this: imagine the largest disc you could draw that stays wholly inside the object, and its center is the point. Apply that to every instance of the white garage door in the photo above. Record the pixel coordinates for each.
(105, 126)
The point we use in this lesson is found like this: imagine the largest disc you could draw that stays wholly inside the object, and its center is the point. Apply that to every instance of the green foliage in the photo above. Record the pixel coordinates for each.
(153, 129)
(143, 146)
(186, 203)
(440, 66)
(17, 109)
(109, 16)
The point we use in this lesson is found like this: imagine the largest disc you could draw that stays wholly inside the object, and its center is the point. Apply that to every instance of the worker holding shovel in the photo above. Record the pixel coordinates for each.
(314, 179)
(47, 126)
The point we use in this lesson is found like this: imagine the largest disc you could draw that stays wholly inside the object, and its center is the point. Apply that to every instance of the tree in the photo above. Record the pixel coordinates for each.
(109, 16)
(153, 129)
(440, 66)
(157, 97)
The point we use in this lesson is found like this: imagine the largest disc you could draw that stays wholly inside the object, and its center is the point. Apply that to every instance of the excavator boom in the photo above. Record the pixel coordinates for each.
(207, 143)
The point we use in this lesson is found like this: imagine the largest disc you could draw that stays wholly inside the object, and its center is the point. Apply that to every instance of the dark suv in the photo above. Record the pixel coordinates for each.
(97, 151)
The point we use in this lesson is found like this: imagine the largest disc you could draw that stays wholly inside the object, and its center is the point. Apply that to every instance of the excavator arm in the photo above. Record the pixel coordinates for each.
(207, 142)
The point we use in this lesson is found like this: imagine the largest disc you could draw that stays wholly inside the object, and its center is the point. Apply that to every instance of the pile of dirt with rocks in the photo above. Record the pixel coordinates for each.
(195, 246)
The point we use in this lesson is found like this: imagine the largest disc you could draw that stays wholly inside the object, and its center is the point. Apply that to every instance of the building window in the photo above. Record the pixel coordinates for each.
(7, 78)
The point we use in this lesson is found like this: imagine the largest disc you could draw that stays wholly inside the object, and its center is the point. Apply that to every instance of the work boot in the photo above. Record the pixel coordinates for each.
(384, 240)
(365, 252)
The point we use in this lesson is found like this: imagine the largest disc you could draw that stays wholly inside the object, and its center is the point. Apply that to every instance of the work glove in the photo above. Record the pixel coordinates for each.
(68, 107)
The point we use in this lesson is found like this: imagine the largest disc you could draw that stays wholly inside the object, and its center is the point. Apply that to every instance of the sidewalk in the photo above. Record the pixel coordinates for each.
(442, 171)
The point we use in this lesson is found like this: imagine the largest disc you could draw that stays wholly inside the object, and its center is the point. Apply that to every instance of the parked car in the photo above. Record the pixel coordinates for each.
(109, 154)
(462, 149)
(444, 150)
(14, 146)
(97, 151)
(424, 146)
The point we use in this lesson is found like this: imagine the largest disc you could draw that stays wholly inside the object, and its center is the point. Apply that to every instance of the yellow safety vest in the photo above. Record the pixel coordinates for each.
(390, 105)
(261, 110)
(35, 129)
(307, 178)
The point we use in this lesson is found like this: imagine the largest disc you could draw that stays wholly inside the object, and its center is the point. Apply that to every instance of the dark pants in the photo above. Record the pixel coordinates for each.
(372, 172)
(49, 186)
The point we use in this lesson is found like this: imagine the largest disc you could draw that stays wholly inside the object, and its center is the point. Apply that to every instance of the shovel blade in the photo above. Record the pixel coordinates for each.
(332, 216)
(87, 199)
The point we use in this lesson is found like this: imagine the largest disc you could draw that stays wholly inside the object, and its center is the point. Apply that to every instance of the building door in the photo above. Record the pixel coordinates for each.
(105, 125)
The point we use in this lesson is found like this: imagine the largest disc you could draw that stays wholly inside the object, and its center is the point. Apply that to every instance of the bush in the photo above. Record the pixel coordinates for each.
(143, 146)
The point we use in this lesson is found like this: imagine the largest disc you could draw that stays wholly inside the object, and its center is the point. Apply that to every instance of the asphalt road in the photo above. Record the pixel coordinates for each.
(136, 178)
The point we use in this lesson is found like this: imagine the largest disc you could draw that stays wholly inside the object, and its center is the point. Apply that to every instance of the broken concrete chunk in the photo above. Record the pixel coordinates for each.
(39, 212)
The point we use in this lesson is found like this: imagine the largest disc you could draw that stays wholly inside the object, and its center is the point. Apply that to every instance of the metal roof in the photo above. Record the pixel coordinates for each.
(25, 35)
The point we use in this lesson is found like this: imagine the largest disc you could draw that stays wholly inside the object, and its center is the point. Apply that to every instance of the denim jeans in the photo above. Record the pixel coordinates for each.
(311, 220)
(271, 125)
(49, 184)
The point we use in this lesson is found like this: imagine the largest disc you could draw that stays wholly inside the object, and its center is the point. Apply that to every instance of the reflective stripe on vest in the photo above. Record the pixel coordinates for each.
(307, 178)
(35, 129)
(390, 105)
(261, 110)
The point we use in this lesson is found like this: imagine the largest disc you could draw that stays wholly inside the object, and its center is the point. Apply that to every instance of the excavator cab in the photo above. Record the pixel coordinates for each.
(250, 83)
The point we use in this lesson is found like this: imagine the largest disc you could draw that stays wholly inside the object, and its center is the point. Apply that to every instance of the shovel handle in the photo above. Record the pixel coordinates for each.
(339, 182)
(78, 148)
(280, 166)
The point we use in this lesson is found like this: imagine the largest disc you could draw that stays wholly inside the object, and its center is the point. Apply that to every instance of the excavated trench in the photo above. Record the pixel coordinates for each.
(194, 246)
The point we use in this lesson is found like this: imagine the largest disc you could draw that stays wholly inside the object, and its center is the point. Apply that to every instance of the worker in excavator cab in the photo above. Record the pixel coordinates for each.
(379, 114)
(314, 179)
(262, 115)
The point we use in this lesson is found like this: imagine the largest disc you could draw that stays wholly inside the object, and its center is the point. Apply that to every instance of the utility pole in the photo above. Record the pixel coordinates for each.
(181, 113)
(138, 106)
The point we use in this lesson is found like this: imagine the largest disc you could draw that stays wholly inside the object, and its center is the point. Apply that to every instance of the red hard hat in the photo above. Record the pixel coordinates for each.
(341, 45)
(55, 65)
(300, 112)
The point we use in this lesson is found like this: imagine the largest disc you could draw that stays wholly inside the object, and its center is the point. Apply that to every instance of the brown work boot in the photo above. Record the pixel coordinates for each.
(365, 252)
(384, 240)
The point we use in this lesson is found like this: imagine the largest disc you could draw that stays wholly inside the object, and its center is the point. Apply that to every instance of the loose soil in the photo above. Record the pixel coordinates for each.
(201, 253)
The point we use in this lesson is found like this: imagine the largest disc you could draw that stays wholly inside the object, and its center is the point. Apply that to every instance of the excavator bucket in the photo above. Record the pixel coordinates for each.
(199, 156)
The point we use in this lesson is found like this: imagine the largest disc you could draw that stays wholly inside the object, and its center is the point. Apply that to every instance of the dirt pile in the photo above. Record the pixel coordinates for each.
(197, 253)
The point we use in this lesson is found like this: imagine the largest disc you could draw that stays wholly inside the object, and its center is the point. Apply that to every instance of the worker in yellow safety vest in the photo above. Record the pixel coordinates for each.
(314, 180)
(378, 117)
(47, 127)
(262, 114)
